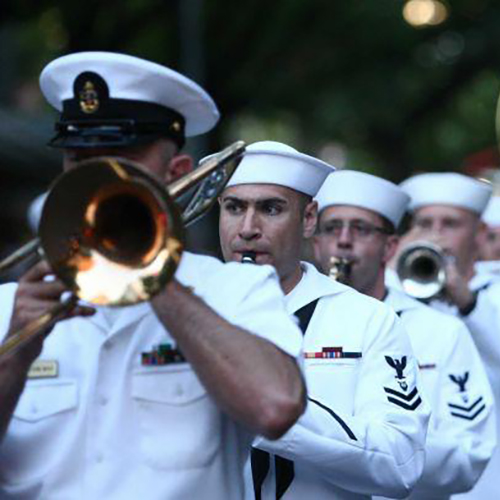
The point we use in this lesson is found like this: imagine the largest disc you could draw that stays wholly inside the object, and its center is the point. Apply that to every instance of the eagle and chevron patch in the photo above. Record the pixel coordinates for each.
(469, 412)
(465, 410)
(408, 400)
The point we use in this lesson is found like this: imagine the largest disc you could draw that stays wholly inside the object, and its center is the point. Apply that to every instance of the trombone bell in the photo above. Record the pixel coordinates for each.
(120, 238)
(112, 233)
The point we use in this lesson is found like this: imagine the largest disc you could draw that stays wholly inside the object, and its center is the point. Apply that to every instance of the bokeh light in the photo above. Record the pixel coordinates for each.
(421, 13)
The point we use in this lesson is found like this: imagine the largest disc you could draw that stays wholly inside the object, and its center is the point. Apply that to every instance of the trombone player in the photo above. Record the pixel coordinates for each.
(359, 215)
(165, 396)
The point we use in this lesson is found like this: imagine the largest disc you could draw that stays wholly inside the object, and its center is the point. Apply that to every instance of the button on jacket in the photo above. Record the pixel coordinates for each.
(461, 435)
(363, 432)
(112, 426)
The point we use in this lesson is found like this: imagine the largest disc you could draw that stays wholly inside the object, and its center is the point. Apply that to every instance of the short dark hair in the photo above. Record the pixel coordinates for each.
(304, 200)
(387, 225)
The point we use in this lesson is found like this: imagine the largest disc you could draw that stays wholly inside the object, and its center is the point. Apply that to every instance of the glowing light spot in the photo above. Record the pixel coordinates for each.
(421, 13)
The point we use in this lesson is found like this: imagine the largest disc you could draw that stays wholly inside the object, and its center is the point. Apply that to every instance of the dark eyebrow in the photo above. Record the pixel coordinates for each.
(266, 201)
(257, 201)
(357, 220)
(234, 199)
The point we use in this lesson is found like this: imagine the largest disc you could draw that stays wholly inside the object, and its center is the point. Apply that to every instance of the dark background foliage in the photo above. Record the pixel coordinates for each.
(351, 82)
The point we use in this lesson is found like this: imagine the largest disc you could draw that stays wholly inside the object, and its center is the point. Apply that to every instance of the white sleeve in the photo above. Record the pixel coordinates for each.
(382, 442)
(462, 435)
(251, 298)
(7, 296)
(484, 325)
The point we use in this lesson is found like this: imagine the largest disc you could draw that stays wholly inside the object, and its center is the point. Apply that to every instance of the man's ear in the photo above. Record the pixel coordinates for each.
(316, 248)
(310, 218)
(481, 234)
(179, 166)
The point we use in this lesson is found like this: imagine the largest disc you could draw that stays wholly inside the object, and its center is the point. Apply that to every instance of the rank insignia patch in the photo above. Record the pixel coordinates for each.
(163, 354)
(469, 412)
(460, 380)
(399, 365)
(333, 353)
(409, 401)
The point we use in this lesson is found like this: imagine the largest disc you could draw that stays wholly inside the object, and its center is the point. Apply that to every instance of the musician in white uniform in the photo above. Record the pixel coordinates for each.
(359, 214)
(489, 251)
(160, 399)
(446, 209)
(364, 428)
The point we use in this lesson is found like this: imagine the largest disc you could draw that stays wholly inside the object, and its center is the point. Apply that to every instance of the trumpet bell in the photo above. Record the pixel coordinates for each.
(421, 270)
(111, 232)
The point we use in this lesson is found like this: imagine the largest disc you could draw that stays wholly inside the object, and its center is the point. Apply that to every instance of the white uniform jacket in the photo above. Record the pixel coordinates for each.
(115, 423)
(363, 432)
(462, 433)
(483, 323)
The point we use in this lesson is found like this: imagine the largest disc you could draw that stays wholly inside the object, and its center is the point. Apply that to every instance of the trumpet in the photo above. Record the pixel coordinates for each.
(339, 269)
(112, 233)
(421, 269)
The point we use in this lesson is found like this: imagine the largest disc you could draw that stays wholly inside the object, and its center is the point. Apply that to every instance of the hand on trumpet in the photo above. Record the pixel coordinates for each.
(35, 296)
(456, 289)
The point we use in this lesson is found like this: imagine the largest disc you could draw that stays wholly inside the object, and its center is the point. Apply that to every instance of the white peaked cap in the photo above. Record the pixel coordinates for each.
(491, 216)
(135, 79)
(358, 189)
(270, 162)
(447, 189)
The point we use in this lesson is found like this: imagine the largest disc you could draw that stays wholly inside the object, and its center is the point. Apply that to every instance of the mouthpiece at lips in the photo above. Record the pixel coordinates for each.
(248, 257)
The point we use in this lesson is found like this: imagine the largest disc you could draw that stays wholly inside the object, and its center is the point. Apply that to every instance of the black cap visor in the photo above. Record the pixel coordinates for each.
(110, 133)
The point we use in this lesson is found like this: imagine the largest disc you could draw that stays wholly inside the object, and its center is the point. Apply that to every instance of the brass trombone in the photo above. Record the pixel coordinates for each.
(112, 233)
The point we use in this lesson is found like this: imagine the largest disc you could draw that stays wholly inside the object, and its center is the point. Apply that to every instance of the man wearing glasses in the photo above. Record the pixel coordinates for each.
(361, 435)
(359, 214)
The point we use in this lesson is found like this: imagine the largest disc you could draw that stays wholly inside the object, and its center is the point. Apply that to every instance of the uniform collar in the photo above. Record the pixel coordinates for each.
(399, 301)
(111, 320)
(311, 286)
(485, 274)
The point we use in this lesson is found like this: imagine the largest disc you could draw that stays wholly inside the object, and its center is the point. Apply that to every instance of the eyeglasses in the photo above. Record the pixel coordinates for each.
(357, 229)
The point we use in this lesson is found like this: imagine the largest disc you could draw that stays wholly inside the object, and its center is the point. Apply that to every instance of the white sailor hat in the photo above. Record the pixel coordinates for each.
(491, 215)
(349, 187)
(447, 189)
(269, 162)
(109, 99)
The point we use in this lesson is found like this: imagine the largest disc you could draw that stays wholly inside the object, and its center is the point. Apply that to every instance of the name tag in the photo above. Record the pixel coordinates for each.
(43, 369)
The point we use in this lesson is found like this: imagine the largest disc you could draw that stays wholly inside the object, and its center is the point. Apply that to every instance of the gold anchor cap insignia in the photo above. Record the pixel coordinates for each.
(89, 99)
